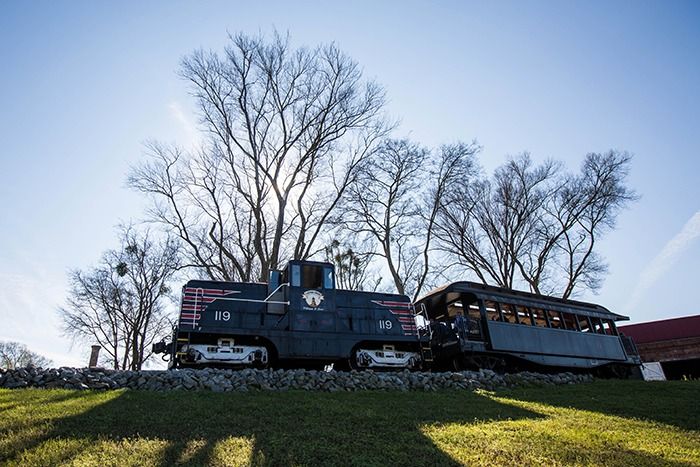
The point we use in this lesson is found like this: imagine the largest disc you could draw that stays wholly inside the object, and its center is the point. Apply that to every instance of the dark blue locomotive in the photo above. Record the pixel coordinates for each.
(297, 319)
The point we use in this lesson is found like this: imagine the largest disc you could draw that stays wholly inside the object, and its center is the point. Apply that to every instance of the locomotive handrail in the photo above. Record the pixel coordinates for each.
(274, 292)
(200, 291)
(424, 314)
(253, 300)
(196, 294)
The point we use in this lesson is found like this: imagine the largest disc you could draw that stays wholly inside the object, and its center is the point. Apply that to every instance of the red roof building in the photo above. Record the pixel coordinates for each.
(673, 342)
(654, 331)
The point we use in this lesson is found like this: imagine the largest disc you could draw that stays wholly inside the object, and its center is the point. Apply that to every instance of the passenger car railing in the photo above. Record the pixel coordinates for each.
(629, 345)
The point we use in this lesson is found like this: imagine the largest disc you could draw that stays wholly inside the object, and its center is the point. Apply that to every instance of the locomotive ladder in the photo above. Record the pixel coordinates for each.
(426, 351)
(180, 341)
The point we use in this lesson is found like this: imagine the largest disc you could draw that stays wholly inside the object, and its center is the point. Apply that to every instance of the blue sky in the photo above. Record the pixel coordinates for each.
(84, 84)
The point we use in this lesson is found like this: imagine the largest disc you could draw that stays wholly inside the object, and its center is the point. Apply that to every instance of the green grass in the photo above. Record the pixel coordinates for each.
(603, 423)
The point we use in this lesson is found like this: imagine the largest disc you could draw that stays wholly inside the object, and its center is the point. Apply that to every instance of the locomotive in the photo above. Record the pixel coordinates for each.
(299, 319)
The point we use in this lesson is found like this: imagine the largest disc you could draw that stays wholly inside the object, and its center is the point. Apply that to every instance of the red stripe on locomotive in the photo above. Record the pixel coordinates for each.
(200, 292)
(393, 304)
(195, 299)
(404, 314)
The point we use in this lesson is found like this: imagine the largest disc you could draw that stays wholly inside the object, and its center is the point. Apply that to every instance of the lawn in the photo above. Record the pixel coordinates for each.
(602, 423)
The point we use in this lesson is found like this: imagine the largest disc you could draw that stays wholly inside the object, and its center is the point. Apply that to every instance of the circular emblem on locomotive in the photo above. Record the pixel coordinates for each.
(313, 298)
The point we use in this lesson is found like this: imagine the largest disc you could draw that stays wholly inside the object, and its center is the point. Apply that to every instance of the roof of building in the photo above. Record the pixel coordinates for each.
(666, 329)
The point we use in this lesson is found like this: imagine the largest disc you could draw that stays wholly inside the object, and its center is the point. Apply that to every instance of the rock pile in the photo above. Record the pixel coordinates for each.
(218, 380)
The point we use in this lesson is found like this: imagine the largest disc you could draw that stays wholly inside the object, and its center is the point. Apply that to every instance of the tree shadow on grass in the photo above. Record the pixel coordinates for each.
(362, 428)
(30, 417)
(670, 402)
(8, 399)
(269, 428)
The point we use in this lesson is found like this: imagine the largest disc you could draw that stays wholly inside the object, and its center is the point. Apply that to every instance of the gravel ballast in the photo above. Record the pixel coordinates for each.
(225, 380)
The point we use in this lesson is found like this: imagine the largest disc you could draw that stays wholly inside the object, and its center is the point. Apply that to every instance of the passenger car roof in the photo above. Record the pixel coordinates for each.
(489, 292)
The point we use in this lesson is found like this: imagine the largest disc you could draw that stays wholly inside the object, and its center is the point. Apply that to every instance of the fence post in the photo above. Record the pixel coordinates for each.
(93, 356)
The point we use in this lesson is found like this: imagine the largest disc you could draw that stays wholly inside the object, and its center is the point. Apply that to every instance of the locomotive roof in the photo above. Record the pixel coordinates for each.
(517, 296)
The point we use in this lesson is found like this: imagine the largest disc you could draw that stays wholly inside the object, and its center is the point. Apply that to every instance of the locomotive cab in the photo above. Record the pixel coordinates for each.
(301, 286)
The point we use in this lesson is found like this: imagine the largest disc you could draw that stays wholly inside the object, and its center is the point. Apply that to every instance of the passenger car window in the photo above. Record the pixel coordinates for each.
(609, 327)
(492, 311)
(508, 312)
(570, 321)
(555, 319)
(523, 315)
(539, 317)
(454, 308)
(597, 325)
(584, 324)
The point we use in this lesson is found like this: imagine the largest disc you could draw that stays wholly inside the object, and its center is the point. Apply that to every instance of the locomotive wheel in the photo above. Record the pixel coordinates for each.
(342, 365)
(352, 361)
(616, 372)
(458, 363)
(488, 362)
(260, 365)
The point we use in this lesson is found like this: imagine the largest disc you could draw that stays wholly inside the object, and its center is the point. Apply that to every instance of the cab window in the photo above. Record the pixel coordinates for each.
(296, 275)
(597, 325)
(311, 276)
(474, 311)
(328, 278)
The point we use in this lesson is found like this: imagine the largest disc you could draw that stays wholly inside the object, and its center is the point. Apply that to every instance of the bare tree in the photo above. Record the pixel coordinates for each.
(396, 200)
(454, 168)
(352, 270)
(603, 193)
(287, 131)
(15, 355)
(486, 225)
(120, 304)
(536, 224)
(384, 205)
